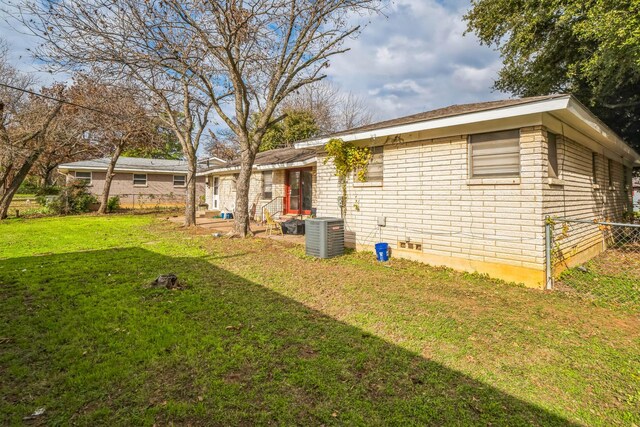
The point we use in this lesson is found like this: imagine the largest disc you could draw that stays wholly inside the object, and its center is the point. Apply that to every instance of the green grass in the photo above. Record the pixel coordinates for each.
(611, 278)
(265, 335)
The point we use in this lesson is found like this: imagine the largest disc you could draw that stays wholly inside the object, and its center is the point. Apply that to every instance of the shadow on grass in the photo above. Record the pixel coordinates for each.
(87, 340)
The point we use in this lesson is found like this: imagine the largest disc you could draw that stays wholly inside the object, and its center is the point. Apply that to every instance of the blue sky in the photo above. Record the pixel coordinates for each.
(413, 59)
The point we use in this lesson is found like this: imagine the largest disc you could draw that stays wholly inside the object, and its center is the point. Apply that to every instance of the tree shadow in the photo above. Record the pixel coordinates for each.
(87, 339)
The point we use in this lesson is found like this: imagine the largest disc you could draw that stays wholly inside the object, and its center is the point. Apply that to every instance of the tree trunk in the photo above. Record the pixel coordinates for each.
(46, 177)
(191, 202)
(108, 178)
(7, 196)
(241, 215)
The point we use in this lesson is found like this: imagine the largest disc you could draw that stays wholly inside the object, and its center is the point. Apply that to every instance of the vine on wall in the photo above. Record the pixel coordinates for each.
(349, 161)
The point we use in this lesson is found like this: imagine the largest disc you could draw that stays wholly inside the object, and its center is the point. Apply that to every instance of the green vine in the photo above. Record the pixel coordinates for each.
(348, 160)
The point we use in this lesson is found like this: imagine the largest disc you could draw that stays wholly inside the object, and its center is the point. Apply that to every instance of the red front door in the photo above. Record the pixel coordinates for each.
(299, 191)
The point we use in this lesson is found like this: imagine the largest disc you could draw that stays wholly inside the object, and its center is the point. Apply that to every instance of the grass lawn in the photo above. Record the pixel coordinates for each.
(611, 277)
(265, 335)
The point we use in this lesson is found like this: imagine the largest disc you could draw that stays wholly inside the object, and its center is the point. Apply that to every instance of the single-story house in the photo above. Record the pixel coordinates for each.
(467, 186)
(636, 194)
(139, 182)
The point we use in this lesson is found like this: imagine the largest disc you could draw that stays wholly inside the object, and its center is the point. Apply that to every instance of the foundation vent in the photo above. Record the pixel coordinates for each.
(412, 246)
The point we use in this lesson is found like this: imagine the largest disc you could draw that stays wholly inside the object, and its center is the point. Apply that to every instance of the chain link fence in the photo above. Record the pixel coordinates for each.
(151, 201)
(599, 260)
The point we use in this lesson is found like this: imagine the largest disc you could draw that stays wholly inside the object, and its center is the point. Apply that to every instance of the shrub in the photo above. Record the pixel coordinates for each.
(73, 198)
(113, 204)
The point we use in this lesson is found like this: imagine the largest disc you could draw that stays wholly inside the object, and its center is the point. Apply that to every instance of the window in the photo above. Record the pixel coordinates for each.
(267, 185)
(495, 154)
(594, 167)
(179, 180)
(625, 182)
(140, 179)
(610, 172)
(552, 148)
(84, 177)
(375, 169)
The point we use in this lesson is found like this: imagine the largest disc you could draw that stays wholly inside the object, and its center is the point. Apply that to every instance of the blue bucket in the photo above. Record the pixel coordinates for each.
(382, 251)
(228, 215)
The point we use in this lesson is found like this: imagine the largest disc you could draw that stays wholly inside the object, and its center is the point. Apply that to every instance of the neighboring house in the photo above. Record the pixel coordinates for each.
(467, 186)
(636, 194)
(139, 182)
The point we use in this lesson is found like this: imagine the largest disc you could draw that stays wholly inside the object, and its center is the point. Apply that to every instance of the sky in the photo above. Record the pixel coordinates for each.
(413, 58)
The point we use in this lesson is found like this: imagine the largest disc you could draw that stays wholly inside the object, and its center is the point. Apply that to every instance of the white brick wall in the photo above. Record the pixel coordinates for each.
(579, 198)
(427, 197)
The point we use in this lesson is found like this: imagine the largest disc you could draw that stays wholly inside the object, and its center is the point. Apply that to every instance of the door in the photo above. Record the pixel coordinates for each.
(299, 191)
(215, 198)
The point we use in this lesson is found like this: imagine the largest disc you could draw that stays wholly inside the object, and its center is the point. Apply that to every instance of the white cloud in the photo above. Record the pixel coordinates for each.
(416, 58)
(413, 58)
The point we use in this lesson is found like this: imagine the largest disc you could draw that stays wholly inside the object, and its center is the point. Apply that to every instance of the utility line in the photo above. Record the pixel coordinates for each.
(30, 92)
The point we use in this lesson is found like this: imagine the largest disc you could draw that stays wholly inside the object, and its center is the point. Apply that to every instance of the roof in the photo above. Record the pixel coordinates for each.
(565, 108)
(129, 164)
(452, 110)
(272, 159)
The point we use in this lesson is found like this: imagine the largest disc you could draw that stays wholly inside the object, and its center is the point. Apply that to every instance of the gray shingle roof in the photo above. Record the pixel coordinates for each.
(452, 110)
(278, 156)
(130, 164)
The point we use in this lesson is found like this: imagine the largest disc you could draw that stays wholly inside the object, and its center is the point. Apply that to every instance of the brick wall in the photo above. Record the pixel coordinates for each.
(227, 190)
(159, 189)
(428, 198)
(575, 195)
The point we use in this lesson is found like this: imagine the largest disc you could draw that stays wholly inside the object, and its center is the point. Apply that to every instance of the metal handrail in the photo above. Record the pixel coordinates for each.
(274, 206)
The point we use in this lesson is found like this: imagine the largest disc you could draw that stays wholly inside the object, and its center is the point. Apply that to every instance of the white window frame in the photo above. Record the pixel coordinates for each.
(471, 142)
(90, 179)
(270, 192)
(183, 179)
(146, 179)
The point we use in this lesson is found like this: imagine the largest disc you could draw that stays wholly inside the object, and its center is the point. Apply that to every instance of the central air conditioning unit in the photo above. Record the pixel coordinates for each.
(324, 237)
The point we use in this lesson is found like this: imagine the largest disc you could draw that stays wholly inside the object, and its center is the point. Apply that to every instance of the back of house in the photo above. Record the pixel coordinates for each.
(467, 186)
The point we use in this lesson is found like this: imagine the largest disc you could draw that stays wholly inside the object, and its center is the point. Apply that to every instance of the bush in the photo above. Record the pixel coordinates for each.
(28, 186)
(73, 198)
(113, 204)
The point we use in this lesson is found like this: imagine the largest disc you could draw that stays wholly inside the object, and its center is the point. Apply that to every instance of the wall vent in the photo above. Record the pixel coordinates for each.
(412, 246)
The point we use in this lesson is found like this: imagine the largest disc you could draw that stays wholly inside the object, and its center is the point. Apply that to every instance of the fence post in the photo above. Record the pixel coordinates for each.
(548, 239)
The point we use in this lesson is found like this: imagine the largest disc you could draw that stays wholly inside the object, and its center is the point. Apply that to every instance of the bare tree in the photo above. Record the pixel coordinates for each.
(132, 40)
(23, 140)
(223, 146)
(117, 120)
(333, 109)
(199, 54)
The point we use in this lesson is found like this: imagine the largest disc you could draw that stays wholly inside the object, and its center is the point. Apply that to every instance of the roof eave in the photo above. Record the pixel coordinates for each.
(541, 106)
(68, 168)
(270, 166)
(606, 135)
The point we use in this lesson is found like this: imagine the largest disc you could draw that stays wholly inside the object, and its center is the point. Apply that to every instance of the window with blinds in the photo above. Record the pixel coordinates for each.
(495, 154)
(552, 148)
(84, 177)
(375, 168)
